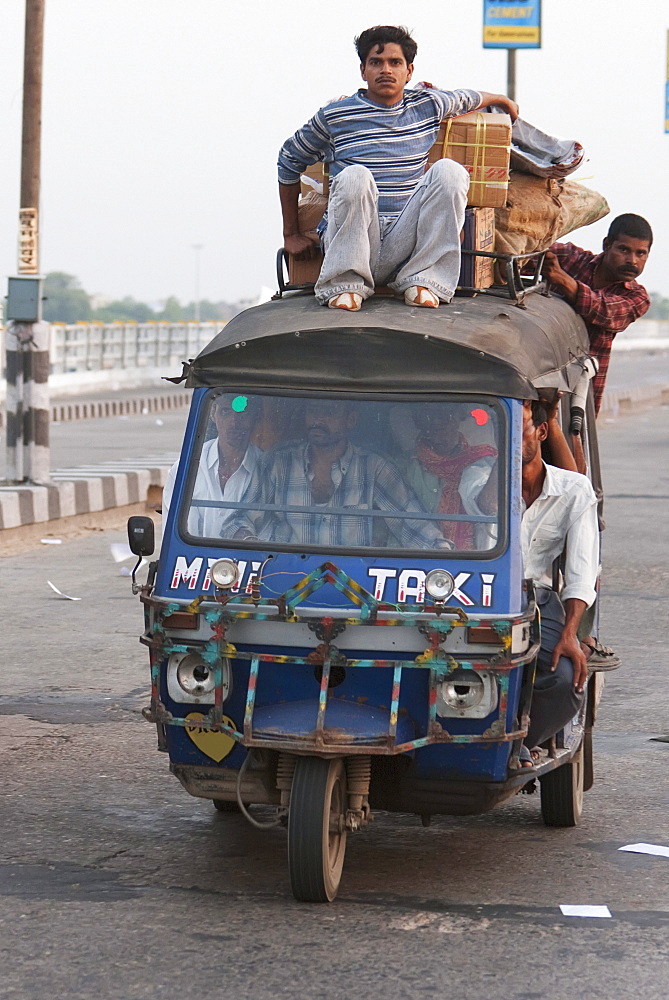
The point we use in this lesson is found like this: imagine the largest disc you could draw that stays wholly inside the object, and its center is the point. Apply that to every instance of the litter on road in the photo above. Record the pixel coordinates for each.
(658, 849)
(120, 551)
(569, 910)
(60, 593)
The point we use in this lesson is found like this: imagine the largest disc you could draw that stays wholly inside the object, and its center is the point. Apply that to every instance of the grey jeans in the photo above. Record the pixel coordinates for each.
(420, 247)
(554, 697)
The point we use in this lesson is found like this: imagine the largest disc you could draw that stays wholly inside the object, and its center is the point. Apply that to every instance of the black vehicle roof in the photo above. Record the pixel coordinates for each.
(485, 344)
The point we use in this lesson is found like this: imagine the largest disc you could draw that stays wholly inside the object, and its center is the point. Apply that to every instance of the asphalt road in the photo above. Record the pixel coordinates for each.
(116, 884)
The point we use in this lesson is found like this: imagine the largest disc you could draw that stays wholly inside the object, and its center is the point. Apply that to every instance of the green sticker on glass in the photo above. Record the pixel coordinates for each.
(240, 403)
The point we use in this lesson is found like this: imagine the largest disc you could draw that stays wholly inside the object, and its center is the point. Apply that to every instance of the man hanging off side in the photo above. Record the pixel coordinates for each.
(602, 287)
(388, 222)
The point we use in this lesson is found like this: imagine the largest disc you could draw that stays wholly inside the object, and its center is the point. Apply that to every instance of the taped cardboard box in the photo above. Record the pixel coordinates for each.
(310, 210)
(479, 234)
(481, 142)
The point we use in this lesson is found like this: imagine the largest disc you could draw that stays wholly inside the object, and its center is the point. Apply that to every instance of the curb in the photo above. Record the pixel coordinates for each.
(620, 402)
(66, 411)
(83, 491)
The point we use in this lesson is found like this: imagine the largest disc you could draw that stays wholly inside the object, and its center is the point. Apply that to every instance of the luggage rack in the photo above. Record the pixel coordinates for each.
(516, 287)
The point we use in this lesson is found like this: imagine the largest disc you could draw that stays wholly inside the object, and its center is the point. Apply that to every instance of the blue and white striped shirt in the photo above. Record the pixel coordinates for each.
(393, 142)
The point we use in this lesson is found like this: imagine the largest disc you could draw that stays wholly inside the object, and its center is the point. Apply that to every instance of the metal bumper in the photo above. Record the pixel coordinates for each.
(326, 736)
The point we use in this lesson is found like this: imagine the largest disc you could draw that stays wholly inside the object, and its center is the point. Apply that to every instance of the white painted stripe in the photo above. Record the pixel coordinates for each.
(10, 510)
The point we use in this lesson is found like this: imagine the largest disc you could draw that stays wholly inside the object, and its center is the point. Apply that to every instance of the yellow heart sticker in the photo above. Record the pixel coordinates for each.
(214, 745)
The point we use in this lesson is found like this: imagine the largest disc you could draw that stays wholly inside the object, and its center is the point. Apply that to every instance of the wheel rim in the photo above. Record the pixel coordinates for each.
(334, 830)
(316, 828)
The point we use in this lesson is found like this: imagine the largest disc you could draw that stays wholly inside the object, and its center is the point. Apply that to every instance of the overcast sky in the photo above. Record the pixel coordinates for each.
(162, 120)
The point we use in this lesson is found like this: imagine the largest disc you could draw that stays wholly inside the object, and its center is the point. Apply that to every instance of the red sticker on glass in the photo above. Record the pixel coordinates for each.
(480, 416)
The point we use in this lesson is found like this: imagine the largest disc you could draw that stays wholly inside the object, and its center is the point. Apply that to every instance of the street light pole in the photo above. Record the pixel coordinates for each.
(27, 348)
(511, 73)
(197, 247)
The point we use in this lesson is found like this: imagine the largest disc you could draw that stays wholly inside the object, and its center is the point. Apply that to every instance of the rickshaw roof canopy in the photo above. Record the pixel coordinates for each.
(484, 344)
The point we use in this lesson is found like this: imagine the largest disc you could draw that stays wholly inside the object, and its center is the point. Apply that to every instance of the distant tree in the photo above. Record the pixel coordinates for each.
(659, 307)
(126, 310)
(66, 301)
(210, 312)
(172, 312)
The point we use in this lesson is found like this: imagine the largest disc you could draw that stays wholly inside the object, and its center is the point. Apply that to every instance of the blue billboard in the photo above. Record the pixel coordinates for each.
(515, 25)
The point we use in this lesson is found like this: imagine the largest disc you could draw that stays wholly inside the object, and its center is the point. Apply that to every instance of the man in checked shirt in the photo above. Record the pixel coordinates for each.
(602, 287)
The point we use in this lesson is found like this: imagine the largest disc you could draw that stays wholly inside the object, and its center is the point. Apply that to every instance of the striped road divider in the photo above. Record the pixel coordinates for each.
(84, 490)
(65, 410)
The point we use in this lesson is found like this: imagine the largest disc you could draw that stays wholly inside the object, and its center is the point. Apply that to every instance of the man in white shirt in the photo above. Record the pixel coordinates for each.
(227, 463)
(560, 514)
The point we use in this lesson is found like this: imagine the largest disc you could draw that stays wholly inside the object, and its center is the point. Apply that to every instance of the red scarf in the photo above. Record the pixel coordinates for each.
(449, 468)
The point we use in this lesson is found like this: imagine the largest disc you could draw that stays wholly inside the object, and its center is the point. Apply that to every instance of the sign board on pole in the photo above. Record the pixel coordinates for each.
(514, 24)
(28, 241)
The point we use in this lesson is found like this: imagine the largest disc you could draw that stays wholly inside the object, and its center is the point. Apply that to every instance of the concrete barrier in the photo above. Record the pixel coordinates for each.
(83, 491)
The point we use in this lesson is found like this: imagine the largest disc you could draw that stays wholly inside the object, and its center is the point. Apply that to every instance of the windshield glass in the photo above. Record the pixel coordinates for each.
(343, 474)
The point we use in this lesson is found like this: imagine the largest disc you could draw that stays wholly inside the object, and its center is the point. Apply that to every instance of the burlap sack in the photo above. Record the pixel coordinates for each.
(310, 210)
(540, 211)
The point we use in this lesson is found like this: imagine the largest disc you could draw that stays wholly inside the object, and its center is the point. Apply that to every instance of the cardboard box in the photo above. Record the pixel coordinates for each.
(310, 211)
(481, 142)
(319, 172)
(304, 272)
(479, 234)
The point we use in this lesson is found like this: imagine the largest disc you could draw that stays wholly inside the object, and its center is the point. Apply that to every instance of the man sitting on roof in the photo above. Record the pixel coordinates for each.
(601, 287)
(388, 222)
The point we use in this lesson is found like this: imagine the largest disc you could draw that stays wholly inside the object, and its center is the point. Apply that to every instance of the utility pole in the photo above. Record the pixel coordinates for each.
(27, 436)
(197, 247)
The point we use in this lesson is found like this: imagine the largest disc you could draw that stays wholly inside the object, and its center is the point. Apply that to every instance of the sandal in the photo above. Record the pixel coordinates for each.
(346, 300)
(601, 657)
(417, 295)
(525, 760)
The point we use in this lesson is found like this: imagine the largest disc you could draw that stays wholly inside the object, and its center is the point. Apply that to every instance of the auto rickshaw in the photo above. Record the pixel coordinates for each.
(328, 655)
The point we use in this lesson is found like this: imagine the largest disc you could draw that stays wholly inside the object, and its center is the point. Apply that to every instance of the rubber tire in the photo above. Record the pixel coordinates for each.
(315, 855)
(562, 793)
(588, 761)
(223, 806)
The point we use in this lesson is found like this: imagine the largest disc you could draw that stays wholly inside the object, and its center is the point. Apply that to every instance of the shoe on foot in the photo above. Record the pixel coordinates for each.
(346, 300)
(600, 657)
(417, 295)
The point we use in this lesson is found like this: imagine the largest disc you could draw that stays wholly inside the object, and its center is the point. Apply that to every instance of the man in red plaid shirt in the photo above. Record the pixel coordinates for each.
(601, 287)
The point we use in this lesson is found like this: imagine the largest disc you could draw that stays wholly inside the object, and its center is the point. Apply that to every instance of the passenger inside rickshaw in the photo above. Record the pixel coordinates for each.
(226, 462)
(315, 460)
(452, 475)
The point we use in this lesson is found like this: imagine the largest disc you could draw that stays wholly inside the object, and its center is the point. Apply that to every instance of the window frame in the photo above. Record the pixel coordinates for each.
(376, 552)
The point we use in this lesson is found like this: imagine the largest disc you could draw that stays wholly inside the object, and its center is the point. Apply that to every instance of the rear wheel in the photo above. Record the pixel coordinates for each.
(316, 828)
(588, 761)
(562, 793)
